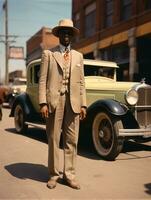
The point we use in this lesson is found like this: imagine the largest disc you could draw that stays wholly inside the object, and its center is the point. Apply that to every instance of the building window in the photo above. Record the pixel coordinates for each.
(77, 25)
(119, 54)
(77, 21)
(126, 9)
(147, 4)
(109, 13)
(90, 20)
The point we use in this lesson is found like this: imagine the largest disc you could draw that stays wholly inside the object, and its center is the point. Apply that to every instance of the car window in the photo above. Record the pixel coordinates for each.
(90, 70)
(36, 73)
(30, 77)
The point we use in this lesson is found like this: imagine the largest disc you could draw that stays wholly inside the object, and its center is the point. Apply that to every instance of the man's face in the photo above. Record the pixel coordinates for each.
(65, 36)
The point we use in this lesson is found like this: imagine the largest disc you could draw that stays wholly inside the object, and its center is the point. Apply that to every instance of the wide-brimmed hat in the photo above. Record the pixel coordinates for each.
(65, 23)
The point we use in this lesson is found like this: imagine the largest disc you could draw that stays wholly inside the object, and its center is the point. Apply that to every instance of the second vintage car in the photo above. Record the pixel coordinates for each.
(17, 87)
(116, 111)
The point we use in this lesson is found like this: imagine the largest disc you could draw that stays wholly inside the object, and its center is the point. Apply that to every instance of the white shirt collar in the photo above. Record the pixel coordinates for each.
(62, 48)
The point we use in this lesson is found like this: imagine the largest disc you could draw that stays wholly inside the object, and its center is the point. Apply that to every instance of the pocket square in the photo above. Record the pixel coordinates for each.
(79, 65)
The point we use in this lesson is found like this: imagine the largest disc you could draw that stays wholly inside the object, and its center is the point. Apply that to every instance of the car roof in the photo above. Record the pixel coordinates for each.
(89, 62)
(103, 63)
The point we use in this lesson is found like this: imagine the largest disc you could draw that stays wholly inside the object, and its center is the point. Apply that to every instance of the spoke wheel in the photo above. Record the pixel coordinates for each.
(105, 136)
(19, 119)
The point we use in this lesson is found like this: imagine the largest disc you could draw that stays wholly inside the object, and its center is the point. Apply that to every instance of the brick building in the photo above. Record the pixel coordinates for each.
(43, 39)
(117, 30)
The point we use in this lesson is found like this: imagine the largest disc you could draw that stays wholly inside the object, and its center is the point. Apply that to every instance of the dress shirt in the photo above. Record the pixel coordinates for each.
(63, 49)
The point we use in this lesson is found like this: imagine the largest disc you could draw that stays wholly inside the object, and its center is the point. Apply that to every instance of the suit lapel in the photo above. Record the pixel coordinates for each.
(58, 57)
(73, 59)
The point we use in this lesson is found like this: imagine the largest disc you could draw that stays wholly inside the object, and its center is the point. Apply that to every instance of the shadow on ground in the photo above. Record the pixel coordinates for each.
(148, 188)
(85, 147)
(34, 133)
(28, 171)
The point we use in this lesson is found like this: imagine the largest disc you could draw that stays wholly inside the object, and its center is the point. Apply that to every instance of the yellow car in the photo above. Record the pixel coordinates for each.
(116, 111)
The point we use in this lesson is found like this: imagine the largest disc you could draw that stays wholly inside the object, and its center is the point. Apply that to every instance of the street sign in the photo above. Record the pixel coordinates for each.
(16, 52)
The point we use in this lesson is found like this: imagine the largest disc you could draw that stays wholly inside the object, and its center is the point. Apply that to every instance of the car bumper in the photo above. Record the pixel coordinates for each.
(135, 132)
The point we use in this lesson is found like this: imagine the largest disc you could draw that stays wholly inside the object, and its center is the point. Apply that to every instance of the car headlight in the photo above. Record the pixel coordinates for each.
(14, 90)
(131, 97)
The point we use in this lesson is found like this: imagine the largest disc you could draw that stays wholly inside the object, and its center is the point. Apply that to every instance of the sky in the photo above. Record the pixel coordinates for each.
(25, 18)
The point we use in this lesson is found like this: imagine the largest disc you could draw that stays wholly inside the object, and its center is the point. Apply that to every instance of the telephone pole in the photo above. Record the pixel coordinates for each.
(6, 43)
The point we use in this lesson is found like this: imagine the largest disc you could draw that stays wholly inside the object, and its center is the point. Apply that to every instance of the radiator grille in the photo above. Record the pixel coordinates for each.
(143, 108)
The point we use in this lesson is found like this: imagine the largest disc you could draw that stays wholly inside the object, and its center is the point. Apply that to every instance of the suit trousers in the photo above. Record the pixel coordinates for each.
(64, 120)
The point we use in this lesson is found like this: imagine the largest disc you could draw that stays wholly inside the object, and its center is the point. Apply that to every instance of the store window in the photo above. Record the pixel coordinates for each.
(147, 4)
(119, 54)
(126, 9)
(90, 20)
(109, 13)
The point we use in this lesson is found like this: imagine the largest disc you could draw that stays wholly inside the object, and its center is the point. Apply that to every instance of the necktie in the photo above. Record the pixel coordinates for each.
(66, 54)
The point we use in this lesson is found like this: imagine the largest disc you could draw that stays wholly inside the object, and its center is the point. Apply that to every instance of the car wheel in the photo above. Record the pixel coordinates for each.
(11, 101)
(19, 119)
(104, 134)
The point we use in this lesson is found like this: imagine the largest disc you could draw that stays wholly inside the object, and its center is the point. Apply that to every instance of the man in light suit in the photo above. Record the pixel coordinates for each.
(62, 100)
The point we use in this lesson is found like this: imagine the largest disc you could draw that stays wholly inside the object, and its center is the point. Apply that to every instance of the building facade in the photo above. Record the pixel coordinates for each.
(43, 39)
(116, 30)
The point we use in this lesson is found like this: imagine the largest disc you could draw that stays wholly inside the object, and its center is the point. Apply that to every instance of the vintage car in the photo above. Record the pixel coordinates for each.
(3, 93)
(116, 111)
(17, 87)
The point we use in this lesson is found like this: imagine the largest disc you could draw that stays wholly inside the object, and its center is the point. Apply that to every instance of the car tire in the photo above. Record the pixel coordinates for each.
(11, 101)
(19, 119)
(105, 136)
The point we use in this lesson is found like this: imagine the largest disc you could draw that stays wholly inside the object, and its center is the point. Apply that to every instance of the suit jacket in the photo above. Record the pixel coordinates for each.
(51, 76)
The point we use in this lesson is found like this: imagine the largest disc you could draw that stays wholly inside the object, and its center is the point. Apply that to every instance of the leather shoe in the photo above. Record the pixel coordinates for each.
(72, 183)
(51, 183)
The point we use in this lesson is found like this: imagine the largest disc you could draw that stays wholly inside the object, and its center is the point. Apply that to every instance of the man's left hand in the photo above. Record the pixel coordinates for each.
(83, 113)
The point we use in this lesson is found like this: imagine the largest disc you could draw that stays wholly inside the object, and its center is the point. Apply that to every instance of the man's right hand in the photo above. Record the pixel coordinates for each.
(44, 111)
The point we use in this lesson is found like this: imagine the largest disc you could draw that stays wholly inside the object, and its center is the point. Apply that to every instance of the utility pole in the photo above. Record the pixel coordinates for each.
(6, 43)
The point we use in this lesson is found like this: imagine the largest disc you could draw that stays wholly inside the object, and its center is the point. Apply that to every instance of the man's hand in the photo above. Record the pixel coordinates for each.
(82, 113)
(44, 111)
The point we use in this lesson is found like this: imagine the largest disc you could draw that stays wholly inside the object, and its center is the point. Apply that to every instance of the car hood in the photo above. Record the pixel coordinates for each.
(99, 84)
(20, 88)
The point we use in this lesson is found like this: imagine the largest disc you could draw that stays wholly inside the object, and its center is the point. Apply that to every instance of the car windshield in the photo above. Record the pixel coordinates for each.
(90, 70)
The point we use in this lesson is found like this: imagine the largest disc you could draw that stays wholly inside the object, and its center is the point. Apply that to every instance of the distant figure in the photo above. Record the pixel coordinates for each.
(62, 100)
(1, 109)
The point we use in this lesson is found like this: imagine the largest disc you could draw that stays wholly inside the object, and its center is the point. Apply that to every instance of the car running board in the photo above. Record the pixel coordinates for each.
(135, 132)
(41, 126)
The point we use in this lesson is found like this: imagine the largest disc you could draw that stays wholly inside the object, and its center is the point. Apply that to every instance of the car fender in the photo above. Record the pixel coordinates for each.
(110, 105)
(25, 102)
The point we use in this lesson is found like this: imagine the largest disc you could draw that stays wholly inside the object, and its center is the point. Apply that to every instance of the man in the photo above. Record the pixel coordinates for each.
(62, 100)
(1, 110)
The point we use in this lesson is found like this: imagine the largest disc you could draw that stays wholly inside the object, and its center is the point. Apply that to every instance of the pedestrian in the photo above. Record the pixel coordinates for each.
(62, 100)
(1, 114)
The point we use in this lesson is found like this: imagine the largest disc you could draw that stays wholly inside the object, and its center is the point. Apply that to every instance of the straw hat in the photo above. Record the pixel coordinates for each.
(65, 23)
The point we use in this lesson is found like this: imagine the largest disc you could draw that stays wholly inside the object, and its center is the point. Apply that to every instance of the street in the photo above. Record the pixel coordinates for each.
(23, 169)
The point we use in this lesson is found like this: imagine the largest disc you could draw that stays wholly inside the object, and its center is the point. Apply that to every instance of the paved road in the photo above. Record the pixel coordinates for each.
(23, 171)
